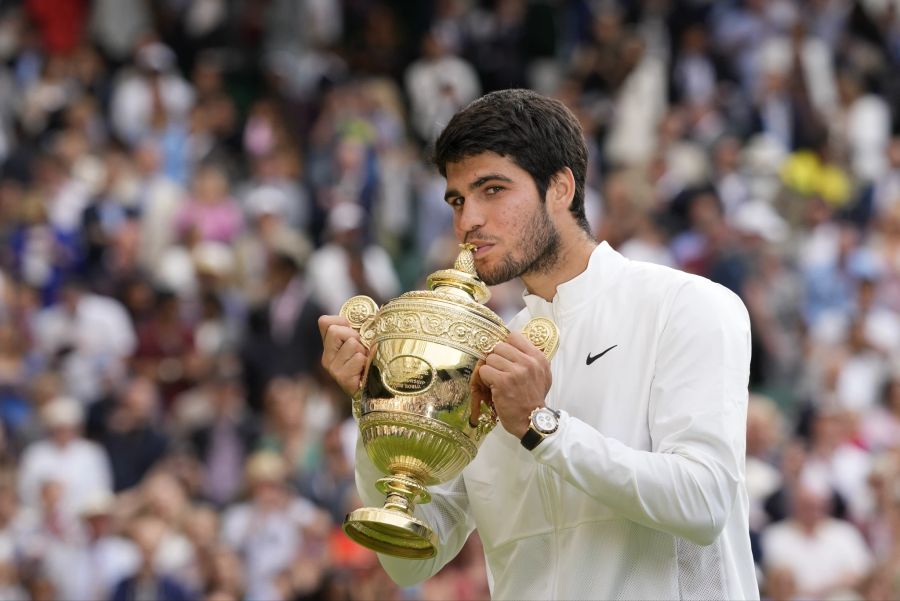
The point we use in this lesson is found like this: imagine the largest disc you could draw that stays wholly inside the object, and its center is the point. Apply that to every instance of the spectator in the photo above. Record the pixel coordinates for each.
(153, 94)
(90, 566)
(80, 467)
(165, 345)
(438, 84)
(266, 530)
(268, 233)
(881, 425)
(282, 337)
(824, 556)
(132, 436)
(88, 336)
(285, 430)
(210, 213)
(146, 582)
(347, 266)
(223, 444)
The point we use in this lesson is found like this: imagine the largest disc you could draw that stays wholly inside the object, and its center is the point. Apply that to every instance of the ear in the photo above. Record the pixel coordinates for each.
(561, 191)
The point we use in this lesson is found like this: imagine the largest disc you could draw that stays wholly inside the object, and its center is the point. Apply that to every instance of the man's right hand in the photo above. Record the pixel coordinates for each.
(344, 355)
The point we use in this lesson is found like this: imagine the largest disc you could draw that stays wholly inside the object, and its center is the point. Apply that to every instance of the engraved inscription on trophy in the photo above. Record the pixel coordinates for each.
(407, 375)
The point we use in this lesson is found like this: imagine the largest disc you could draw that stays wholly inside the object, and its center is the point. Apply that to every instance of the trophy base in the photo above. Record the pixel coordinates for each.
(391, 532)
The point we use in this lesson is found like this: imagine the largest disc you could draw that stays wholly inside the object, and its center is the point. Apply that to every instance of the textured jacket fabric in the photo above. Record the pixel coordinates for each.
(640, 493)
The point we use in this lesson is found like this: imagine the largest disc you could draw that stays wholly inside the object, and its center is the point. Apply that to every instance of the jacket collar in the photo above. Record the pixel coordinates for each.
(602, 272)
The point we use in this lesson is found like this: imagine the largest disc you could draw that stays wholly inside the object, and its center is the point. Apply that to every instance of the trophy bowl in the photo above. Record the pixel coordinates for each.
(414, 406)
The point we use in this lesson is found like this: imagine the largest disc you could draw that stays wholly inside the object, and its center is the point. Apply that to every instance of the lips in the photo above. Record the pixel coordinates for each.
(481, 246)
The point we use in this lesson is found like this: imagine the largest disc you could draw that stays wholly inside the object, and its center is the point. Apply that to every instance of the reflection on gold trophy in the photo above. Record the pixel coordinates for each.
(414, 402)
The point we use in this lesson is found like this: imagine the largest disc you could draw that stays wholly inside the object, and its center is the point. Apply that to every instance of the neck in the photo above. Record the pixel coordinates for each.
(808, 528)
(571, 261)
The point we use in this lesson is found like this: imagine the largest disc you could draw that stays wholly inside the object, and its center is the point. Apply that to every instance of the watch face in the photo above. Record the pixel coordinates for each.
(545, 421)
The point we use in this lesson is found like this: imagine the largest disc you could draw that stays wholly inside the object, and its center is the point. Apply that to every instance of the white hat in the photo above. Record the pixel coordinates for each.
(759, 218)
(98, 503)
(63, 412)
(265, 466)
(213, 258)
(155, 56)
(266, 200)
(345, 216)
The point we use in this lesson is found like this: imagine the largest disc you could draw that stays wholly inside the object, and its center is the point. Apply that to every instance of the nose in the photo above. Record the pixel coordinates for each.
(468, 219)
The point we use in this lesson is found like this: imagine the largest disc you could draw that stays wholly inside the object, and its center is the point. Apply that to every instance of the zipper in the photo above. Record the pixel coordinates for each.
(551, 478)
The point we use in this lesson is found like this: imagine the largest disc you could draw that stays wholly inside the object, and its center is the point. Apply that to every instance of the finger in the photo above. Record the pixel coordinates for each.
(502, 363)
(348, 373)
(515, 356)
(355, 367)
(335, 337)
(507, 351)
(326, 321)
(490, 375)
(351, 347)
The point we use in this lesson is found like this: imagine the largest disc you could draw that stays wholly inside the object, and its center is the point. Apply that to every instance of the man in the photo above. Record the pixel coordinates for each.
(346, 265)
(268, 530)
(92, 564)
(88, 336)
(825, 556)
(281, 337)
(64, 456)
(618, 471)
(148, 581)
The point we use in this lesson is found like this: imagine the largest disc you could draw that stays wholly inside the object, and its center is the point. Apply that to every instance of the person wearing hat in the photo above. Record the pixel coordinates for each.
(267, 529)
(346, 265)
(90, 568)
(153, 86)
(64, 455)
(269, 231)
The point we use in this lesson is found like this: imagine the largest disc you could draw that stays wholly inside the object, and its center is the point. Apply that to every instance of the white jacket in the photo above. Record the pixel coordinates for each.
(640, 493)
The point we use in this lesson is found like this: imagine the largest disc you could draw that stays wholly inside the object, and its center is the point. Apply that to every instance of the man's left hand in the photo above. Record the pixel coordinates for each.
(518, 376)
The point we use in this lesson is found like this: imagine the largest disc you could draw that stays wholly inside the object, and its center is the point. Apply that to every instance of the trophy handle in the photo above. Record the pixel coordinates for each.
(543, 334)
(360, 312)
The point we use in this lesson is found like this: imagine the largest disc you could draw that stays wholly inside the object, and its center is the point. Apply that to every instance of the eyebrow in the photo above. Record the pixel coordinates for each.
(478, 183)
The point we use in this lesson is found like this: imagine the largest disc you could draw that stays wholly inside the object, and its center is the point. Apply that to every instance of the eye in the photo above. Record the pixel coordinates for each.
(491, 190)
(456, 202)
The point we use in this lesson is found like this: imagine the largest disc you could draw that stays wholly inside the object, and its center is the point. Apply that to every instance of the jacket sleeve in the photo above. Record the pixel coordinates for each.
(447, 515)
(687, 483)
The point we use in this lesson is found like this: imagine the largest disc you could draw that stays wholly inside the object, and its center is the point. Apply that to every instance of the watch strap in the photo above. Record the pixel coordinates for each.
(531, 439)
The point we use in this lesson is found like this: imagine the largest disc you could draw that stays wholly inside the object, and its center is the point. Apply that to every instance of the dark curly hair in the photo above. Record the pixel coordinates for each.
(537, 133)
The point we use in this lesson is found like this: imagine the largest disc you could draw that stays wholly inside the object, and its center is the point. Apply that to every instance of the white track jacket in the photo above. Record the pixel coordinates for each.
(640, 493)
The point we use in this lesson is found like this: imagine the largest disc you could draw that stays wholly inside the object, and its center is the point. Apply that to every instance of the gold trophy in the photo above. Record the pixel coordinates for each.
(414, 402)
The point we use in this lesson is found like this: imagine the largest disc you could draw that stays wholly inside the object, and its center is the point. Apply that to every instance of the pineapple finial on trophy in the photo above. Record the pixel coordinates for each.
(461, 278)
(465, 261)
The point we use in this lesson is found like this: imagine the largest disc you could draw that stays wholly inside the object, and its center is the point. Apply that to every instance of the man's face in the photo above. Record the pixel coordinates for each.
(497, 208)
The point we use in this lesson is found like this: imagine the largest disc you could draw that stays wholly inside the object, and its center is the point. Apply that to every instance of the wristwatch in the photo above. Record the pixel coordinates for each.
(544, 422)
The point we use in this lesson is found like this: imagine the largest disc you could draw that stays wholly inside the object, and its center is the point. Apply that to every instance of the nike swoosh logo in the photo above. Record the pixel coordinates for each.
(595, 357)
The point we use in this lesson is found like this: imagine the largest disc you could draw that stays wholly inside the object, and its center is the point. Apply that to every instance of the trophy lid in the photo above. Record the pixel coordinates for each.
(462, 277)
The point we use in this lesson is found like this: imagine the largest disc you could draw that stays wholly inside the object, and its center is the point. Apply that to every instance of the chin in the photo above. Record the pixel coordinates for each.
(492, 278)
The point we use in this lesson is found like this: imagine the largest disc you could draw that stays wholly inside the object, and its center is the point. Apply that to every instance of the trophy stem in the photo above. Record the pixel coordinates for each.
(392, 528)
(403, 492)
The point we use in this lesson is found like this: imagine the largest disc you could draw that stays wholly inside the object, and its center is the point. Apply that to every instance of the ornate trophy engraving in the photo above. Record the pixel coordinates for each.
(414, 403)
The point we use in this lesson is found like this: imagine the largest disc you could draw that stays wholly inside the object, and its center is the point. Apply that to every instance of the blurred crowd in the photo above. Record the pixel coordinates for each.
(186, 185)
